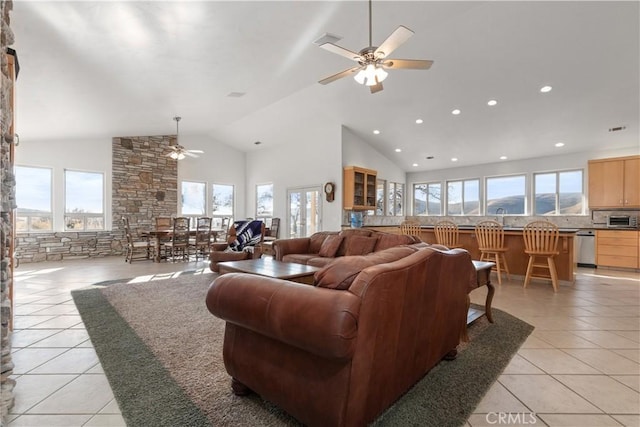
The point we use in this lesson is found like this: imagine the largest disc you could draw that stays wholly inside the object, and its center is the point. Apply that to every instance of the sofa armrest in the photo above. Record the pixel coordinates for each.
(321, 321)
(282, 247)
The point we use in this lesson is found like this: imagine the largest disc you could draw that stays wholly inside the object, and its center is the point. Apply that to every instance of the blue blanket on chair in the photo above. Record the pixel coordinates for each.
(248, 234)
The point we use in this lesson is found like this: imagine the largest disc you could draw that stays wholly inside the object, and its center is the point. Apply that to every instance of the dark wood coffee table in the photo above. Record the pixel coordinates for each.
(268, 267)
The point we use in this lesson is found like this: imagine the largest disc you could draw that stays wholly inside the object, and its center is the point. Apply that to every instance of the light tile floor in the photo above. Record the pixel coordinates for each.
(580, 367)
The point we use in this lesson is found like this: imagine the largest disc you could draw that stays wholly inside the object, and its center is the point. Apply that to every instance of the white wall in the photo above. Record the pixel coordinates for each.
(220, 164)
(81, 155)
(357, 152)
(308, 162)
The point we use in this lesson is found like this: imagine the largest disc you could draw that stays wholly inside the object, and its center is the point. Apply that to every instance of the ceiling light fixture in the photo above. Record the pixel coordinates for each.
(492, 102)
(456, 112)
(559, 144)
(419, 121)
(545, 89)
(376, 132)
(371, 75)
(415, 165)
(503, 157)
(454, 159)
(179, 152)
(398, 150)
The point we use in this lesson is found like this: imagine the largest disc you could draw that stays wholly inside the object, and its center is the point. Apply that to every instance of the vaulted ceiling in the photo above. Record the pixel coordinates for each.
(101, 69)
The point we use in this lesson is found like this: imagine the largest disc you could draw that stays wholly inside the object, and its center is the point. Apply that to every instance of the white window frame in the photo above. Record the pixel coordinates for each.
(557, 210)
(193, 217)
(487, 208)
(30, 215)
(84, 216)
(392, 188)
(428, 185)
(462, 197)
(217, 218)
(265, 214)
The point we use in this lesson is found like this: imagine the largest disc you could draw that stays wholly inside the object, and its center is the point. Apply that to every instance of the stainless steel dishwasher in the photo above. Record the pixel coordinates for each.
(586, 248)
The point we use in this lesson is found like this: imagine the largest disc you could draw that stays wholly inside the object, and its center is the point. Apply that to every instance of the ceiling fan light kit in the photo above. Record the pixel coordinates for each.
(373, 60)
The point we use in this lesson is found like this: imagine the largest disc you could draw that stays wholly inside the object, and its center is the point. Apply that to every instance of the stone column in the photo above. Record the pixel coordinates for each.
(7, 205)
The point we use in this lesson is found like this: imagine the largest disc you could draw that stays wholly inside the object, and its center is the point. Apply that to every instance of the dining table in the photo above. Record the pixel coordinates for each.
(164, 234)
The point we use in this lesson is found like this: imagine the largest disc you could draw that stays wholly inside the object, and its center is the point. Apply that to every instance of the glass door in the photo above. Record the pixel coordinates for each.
(304, 211)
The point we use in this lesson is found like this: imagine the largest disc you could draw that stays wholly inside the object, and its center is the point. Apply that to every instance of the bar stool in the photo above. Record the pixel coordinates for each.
(410, 228)
(541, 241)
(490, 235)
(447, 234)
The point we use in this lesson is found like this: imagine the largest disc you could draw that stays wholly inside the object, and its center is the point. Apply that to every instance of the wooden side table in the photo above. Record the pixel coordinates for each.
(483, 273)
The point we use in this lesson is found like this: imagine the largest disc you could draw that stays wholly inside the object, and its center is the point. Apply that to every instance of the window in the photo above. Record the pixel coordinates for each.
(506, 195)
(558, 193)
(427, 199)
(33, 197)
(395, 197)
(380, 199)
(264, 200)
(463, 197)
(193, 200)
(84, 201)
(222, 203)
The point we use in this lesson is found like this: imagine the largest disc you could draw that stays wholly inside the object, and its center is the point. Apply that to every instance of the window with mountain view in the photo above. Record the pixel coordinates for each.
(84, 200)
(427, 198)
(33, 197)
(559, 193)
(463, 197)
(395, 198)
(506, 195)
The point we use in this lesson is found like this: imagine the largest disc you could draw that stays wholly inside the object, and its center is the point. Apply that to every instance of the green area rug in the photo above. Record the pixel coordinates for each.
(161, 350)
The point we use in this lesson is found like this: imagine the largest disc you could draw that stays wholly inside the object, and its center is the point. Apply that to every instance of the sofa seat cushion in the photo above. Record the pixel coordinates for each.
(340, 273)
(299, 258)
(320, 261)
(330, 246)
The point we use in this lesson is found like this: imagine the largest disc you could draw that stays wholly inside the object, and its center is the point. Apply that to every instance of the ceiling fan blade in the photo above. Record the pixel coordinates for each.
(187, 153)
(342, 51)
(414, 64)
(339, 75)
(196, 151)
(399, 36)
(376, 88)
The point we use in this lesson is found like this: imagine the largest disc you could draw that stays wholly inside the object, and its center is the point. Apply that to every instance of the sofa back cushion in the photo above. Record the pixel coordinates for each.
(359, 245)
(341, 272)
(330, 246)
(389, 240)
(316, 239)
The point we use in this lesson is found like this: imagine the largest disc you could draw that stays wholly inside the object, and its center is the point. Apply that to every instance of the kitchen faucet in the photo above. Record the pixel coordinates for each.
(501, 212)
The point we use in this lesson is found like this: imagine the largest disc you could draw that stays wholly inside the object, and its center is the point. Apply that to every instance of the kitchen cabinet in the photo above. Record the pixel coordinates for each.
(614, 183)
(359, 188)
(617, 248)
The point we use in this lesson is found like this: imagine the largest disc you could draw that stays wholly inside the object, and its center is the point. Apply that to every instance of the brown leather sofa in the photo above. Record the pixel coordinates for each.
(340, 357)
(323, 247)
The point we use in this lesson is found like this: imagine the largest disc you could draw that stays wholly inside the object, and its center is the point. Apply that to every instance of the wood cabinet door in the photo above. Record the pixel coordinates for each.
(606, 184)
(632, 183)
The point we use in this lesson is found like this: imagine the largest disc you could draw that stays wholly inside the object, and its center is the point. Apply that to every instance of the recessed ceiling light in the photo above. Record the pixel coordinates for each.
(456, 112)
(398, 150)
(419, 121)
(503, 157)
(454, 159)
(376, 132)
(415, 165)
(492, 102)
(545, 89)
(559, 144)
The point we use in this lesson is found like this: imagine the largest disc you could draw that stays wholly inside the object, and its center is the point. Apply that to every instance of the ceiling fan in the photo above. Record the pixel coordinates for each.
(178, 152)
(372, 61)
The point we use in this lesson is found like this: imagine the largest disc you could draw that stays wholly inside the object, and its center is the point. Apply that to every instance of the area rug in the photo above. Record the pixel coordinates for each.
(161, 351)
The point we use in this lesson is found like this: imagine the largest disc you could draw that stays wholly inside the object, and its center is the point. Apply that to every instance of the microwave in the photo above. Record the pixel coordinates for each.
(622, 221)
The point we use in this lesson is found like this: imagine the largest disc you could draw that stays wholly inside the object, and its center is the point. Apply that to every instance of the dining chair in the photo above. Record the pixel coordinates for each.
(490, 236)
(447, 234)
(541, 241)
(271, 236)
(410, 228)
(201, 243)
(137, 248)
(179, 243)
(163, 222)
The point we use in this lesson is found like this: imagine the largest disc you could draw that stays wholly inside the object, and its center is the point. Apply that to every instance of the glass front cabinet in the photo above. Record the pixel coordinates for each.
(359, 188)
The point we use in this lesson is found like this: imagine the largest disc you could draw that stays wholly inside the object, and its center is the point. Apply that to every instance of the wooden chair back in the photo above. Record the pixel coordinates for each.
(490, 235)
(541, 238)
(447, 233)
(274, 230)
(410, 228)
(203, 230)
(163, 222)
(180, 236)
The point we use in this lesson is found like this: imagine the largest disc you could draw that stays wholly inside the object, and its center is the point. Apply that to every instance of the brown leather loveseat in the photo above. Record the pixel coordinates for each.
(341, 352)
(324, 246)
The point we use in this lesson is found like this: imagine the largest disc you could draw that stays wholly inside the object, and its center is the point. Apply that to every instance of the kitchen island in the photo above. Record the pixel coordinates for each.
(516, 257)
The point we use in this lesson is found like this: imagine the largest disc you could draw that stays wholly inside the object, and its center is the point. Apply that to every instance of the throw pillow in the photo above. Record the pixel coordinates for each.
(330, 246)
(341, 272)
(360, 245)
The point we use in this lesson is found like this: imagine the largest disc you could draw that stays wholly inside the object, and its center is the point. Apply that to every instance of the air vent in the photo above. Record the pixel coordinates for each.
(617, 129)
(236, 95)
